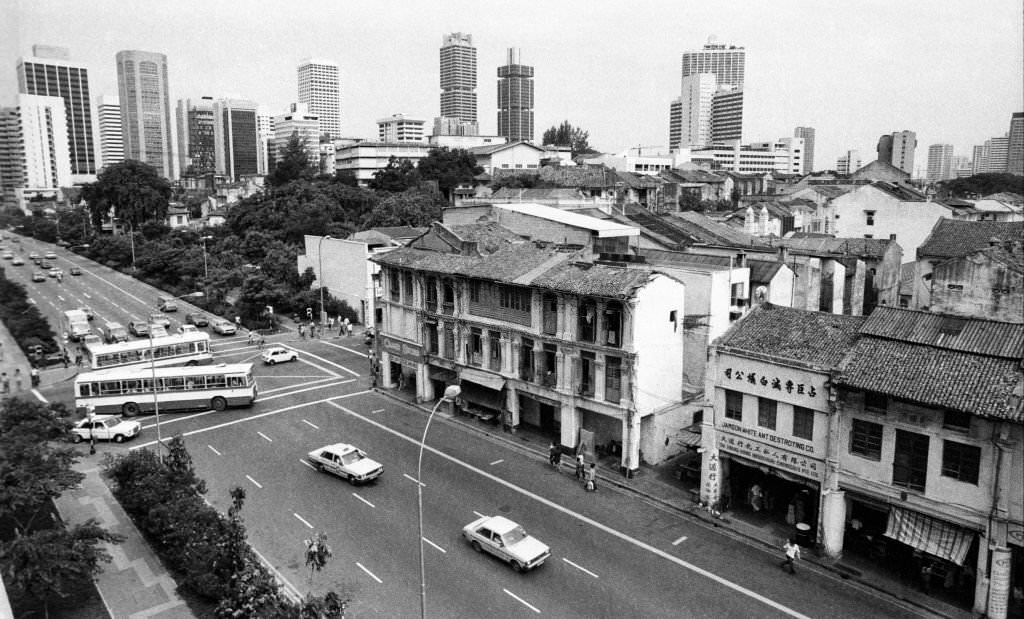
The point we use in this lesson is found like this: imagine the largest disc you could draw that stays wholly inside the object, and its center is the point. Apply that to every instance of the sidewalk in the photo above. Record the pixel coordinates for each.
(657, 484)
(135, 583)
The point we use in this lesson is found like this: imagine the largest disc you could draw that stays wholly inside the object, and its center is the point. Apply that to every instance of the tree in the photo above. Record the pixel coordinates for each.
(568, 135)
(131, 191)
(981, 185)
(317, 554)
(449, 168)
(409, 208)
(397, 176)
(292, 164)
(690, 201)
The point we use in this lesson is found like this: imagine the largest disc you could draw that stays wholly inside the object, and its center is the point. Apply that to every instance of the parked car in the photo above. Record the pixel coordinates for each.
(50, 255)
(223, 326)
(506, 540)
(88, 312)
(38, 276)
(197, 319)
(55, 273)
(105, 428)
(18, 261)
(157, 318)
(8, 255)
(138, 327)
(347, 462)
(115, 332)
(156, 331)
(279, 354)
(75, 271)
(45, 264)
(33, 255)
(187, 329)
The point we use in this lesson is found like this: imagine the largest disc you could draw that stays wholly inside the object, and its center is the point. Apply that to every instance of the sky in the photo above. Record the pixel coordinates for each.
(953, 72)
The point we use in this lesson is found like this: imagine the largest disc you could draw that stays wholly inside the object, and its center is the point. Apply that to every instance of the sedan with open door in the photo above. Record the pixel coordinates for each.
(105, 428)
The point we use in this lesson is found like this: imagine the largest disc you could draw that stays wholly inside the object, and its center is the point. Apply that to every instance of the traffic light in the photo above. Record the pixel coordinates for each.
(309, 313)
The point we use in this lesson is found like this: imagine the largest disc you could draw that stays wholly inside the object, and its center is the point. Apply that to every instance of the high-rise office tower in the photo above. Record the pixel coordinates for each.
(692, 112)
(303, 124)
(319, 88)
(848, 163)
(727, 62)
(50, 72)
(998, 151)
(515, 99)
(108, 117)
(726, 114)
(196, 153)
(807, 133)
(458, 77)
(234, 138)
(897, 149)
(145, 109)
(979, 159)
(34, 152)
(265, 134)
(1015, 146)
(940, 162)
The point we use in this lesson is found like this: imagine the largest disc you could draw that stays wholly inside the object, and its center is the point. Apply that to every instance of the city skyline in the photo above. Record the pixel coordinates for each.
(611, 74)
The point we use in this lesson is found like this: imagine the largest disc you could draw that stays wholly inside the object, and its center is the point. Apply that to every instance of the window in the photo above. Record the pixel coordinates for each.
(956, 420)
(910, 460)
(550, 314)
(767, 411)
(875, 402)
(407, 287)
(733, 405)
(955, 287)
(476, 347)
(613, 379)
(613, 324)
(549, 359)
(431, 296)
(449, 341)
(393, 284)
(432, 342)
(526, 368)
(866, 439)
(494, 355)
(586, 374)
(474, 291)
(961, 462)
(892, 237)
(587, 320)
(448, 306)
(803, 423)
(869, 218)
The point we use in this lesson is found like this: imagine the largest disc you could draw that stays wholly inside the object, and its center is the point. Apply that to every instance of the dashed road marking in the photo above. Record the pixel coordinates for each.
(377, 410)
(363, 500)
(311, 424)
(265, 437)
(580, 567)
(302, 520)
(497, 462)
(679, 541)
(369, 573)
(255, 483)
(414, 480)
(214, 450)
(307, 464)
(522, 601)
(435, 545)
(479, 515)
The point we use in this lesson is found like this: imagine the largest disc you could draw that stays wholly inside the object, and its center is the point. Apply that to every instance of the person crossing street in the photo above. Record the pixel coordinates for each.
(792, 551)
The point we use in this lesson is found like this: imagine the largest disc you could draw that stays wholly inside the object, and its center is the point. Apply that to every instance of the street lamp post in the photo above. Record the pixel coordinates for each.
(131, 241)
(152, 370)
(450, 393)
(206, 270)
(320, 276)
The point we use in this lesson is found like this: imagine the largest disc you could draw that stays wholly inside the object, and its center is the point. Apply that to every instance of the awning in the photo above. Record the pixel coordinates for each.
(927, 534)
(491, 381)
(687, 438)
(443, 375)
(482, 396)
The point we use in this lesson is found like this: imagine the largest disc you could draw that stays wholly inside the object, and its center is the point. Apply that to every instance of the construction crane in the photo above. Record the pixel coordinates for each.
(639, 148)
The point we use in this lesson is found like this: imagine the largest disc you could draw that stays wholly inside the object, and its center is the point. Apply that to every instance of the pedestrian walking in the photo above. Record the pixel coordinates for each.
(17, 380)
(65, 358)
(34, 373)
(330, 323)
(302, 331)
(792, 551)
(78, 359)
(252, 337)
(5, 383)
(238, 321)
(261, 341)
(581, 466)
(555, 455)
(351, 327)
(590, 478)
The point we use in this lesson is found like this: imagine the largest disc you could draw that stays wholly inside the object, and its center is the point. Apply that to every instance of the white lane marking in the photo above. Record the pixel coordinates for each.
(479, 515)
(413, 480)
(62, 299)
(254, 482)
(590, 521)
(86, 294)
(580, 567)
(377, 410)
(311, 424)
(363, 500)
(327, 361)
(345, 348)
(369, 573)
(679, 541)
(522, 601)
(497, 462)
(308, 464)
(288, 393)
(435, 545)
(312, 382)
(39, 396)
(249, 355)
(314, 365)
(254, 417)
(302, 520)
(32, 301)
(265, 437)
(214, 450)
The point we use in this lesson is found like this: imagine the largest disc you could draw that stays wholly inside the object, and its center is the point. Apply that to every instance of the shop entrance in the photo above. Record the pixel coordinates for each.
(786, 507)
(542, 416)
(402, 378)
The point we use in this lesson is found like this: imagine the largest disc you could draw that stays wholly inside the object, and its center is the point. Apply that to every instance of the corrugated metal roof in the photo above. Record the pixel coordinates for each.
(602, 227)
(971, 335)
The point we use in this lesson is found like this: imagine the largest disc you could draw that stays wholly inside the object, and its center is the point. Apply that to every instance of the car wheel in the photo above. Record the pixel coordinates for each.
(476, 546)
(352, 480)
(130, 409)
(319, 466)
(272, 362)
(518, 567)
(77, 438)
(219, 404)
(118, 438)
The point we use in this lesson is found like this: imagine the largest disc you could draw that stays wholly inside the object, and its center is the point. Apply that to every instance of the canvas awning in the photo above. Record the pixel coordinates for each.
(927, 534)
(446, 376)
(687, 438)
(491, 381)
(482, 396)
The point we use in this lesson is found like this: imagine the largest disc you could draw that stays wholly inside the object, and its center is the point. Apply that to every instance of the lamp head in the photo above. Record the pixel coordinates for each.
(452, 392)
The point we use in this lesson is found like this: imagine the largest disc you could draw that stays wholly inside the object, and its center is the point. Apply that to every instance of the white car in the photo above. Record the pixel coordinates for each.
(279, 354)
(224, 327)
(105, 428)
(506, 540)
(346, 462)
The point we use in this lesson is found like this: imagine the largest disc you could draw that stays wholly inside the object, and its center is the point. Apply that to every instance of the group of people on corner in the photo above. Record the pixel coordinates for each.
(12, 385)
(345, 327)
(587, 475)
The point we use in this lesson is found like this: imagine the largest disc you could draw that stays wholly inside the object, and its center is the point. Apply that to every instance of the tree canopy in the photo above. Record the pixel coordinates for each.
(448, 168)
(568, 135)
(397, 176)
(292, 164)
(132, 190)
(982, 185)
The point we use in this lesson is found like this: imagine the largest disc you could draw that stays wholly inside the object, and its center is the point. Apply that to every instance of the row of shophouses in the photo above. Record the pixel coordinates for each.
(857, 420)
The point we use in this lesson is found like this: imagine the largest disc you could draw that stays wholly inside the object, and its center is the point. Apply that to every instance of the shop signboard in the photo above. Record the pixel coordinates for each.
(401, 352)
(765, 447)
(783, 383)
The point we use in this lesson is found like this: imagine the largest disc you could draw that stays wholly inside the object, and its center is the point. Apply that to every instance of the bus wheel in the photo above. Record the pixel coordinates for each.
(130, 409)
(219, 403)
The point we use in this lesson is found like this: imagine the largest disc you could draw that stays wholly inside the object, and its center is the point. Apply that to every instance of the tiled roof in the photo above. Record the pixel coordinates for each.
(691, 176)
(639, 181)
(900, 192)
(705, 230)
(814, 338)
(806, 243)
(489, 237)
(681, 259)
(506, 264)
(969, 335)
(600, 280)
(951, 238)
(974, 384)
(532, 194)
(493, 148)
(400, 232)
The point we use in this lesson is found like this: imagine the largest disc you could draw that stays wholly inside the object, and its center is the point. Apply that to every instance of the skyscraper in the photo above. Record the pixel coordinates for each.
(319, 88)
(265, 133)
(693, 112)
(1015, 147)
(940, 162)
(726, 114)
(108, 114)
(34, 151)
(807, 133)
(302, 123)
(848, 163)
(145, 109)
(458, 77)
(897, 149)
(50, 72)
(725, 63)
(234, 138)
(196, 152)
(998, 151)
(515, 99)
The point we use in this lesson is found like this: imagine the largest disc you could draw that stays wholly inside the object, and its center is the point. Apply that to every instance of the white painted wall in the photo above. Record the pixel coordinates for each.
(911, 222)
(659, 342)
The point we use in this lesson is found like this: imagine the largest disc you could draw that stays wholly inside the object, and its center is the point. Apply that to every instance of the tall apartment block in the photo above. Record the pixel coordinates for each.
(234, 138)
(49, 72)
(196, 152)
(940, 162)
(807, 133)
(458, 78)
(145, 109)
(690, 116)
(320, 90)
(1015, 146)
(515, 99)
(727, 62)
(108, 117)
(265, 134)
(897, 149)
(848, 163)
(34, 152)
(726, 114)
(992, 156)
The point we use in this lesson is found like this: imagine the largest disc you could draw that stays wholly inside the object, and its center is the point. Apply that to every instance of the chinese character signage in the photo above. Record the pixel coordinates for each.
(777, 383)
(711, 480)
(748, 443)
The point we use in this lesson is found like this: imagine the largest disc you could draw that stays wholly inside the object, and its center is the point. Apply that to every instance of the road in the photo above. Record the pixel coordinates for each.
(612, 555)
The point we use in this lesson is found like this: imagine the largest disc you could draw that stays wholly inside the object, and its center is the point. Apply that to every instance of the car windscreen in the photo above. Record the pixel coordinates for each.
(514, 536)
